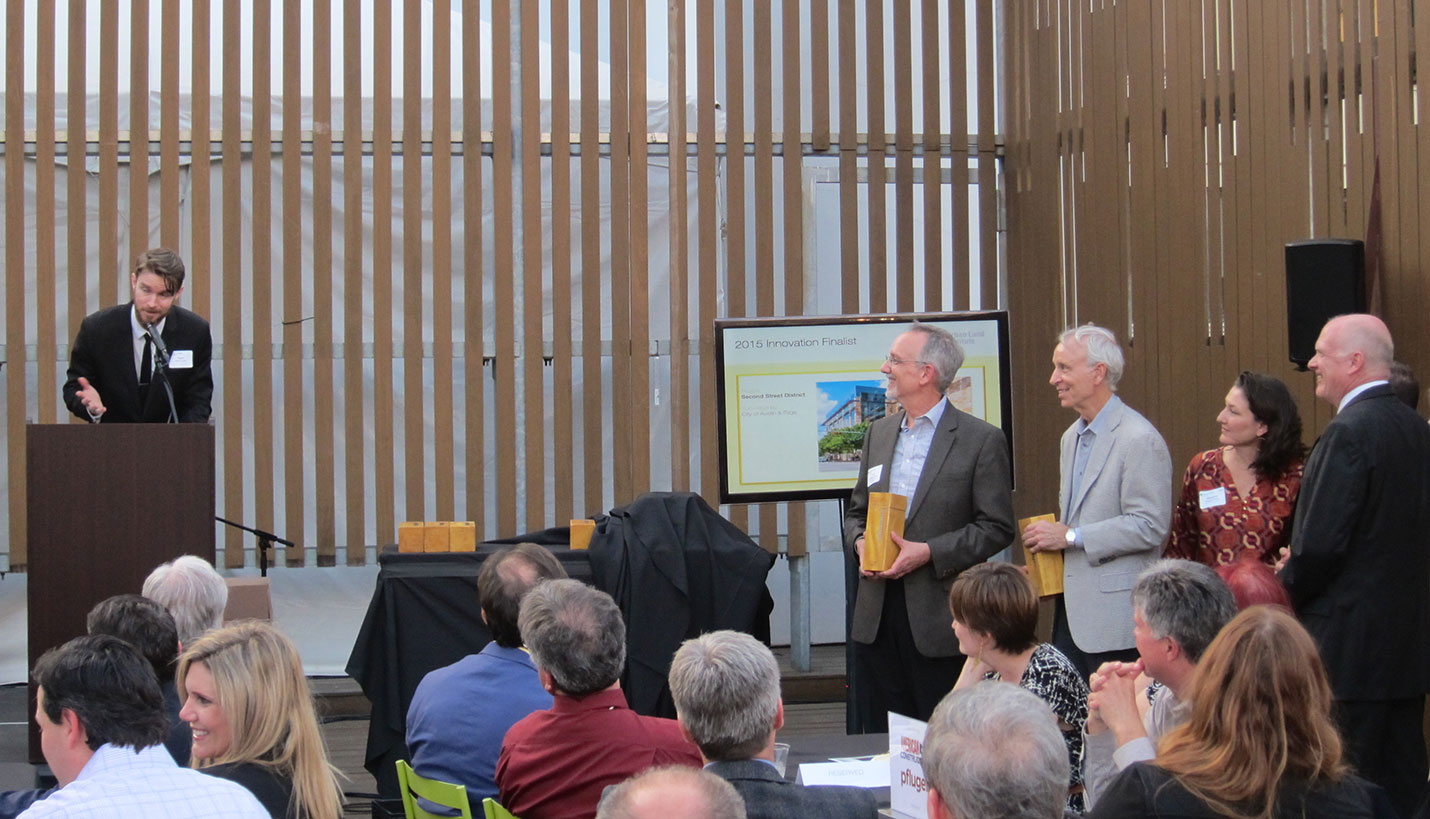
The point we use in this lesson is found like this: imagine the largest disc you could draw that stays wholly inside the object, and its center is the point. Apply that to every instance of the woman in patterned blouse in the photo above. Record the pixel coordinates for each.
(1239, 497)
(995, 615)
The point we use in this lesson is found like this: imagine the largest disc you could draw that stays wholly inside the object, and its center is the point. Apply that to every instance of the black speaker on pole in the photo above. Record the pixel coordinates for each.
(1324, 278)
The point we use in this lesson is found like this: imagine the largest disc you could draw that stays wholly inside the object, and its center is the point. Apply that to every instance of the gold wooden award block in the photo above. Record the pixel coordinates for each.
(437, 537)
(581, 531)
(886, 514)
(1045, 569)
(464, 536)
(409, 537)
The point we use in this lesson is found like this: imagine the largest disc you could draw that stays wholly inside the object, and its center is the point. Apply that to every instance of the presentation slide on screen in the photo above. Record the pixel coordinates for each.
(798, 398)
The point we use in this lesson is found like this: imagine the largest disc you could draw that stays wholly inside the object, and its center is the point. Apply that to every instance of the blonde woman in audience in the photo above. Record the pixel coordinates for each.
(1260, 743)
(248, 703)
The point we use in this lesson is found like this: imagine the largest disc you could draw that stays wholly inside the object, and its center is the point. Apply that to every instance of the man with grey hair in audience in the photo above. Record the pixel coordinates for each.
(192, 591)
(556, 762)
(1115, 494)
(1178, 608)
(726, 687)
(994, 751)
(674, 792)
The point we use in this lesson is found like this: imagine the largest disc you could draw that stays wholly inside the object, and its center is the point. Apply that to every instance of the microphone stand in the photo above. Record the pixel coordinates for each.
(265, 542)
(161, 366)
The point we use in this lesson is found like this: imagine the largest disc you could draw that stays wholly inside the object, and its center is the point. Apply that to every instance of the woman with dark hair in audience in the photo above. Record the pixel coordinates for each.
(1259, 744)
(995, 616)
(247, 700)
(1239, 497)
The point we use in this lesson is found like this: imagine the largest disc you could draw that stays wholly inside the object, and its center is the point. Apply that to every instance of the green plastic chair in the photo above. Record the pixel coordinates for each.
(494, 810)
(439, 793)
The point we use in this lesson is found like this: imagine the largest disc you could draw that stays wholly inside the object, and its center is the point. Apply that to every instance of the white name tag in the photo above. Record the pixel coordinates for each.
(875, 473)
(181, 360)
(1212, 498)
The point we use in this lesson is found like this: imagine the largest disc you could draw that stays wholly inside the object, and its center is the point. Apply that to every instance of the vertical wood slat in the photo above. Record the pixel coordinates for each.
(295, 315)
(849, 232)
(878, 144)
(354, 437)
(591, 303)
(1407, 173)
(563, 387)
(764, 208)
(138, 128)
(792, 163)
(169, 171)
(14, 260)
(933, 160)
(199, 284)
(231, 271)
(819, 75)
(113, 267)
(958, 132)
(534, 458)
(680, 460)
(413, 316)
(443, 410)
(262, 275)
(504, 284)
(707, 259)
(735, 305)
(382, 274)
(46, 280)
(638, 476)
(903, 156)
(324, 421)
(620, 302)
(76, 240)
(987, 166)
(472, 270)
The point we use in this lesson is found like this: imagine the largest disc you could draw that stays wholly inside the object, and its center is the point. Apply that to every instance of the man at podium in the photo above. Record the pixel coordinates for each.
(118, 369)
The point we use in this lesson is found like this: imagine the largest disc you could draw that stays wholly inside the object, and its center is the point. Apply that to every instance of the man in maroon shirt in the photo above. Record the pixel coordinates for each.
(555, 763)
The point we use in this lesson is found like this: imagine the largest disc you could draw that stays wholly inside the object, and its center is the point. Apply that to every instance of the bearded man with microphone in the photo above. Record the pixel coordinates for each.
(129, 360)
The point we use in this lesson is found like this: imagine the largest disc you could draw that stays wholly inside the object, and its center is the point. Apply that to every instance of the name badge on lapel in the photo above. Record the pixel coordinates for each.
(875, 473)
(1212, 498)
(181, 360)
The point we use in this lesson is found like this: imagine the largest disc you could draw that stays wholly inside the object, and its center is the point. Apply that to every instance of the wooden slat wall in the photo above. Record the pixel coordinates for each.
(1176, 234)
(319, 314)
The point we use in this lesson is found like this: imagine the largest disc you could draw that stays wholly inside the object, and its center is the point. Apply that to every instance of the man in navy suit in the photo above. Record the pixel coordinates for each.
(116, 370)
(726, 687)
(1359, 565)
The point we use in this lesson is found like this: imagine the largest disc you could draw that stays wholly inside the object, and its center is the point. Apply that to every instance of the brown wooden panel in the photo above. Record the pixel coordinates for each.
(354, 396)
(504, 283)
(200, 261)
(849, 268)
(736, 303)
(563, 392)
(792, 163)
(113, 267)
(15, 260)
(592, 305)
(231, 275)
(324, 416)
(413, 316)
(707, 184)
(620, 304)
(932, 160)
(903, 156)
(383, 349)
(295, 313)
(878, 241)
(958, 134)
(987, 167)
(138, 128)
(444, 414)
(47, 385)
(261, 272)
(169, 171)
(472, 275)
(532, 231)
(76, 240)
(680, 461)
(818, 75)
(763, 128)
(639, 282)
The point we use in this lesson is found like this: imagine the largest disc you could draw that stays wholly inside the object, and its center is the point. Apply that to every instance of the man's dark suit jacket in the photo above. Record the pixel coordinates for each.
(103, 352)
(1359, 572)
(768, 795)
(962, 507)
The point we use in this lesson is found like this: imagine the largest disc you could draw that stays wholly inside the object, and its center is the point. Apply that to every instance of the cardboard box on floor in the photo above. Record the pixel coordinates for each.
(249, 598)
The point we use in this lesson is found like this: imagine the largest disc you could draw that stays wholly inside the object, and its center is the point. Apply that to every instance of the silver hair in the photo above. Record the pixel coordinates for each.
(1184, 600)
(721, 800)
(941, 351)
(574, 633)
(994, 751)
(726, 687)
(193, 592)
(1102, 348)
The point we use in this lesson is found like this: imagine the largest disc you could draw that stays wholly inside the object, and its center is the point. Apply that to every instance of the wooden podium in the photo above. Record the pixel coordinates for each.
(106, 504)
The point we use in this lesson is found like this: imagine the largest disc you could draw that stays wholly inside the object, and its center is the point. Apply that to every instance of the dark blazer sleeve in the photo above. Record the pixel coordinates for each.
(82, 364)
(1126, 796)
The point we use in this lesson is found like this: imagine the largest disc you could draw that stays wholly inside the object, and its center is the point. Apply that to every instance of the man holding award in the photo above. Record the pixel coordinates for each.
(951, 473)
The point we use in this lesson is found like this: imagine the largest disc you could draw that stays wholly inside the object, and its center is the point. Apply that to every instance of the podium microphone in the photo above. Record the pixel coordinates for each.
(158, 345)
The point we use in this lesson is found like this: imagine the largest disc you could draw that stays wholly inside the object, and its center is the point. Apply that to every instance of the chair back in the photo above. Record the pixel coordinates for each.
(493, 810)
(438, 793)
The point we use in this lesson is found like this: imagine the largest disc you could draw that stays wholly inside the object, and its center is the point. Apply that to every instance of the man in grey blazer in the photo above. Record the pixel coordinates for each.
(1115, 494)
(954, 470)
(726, 687)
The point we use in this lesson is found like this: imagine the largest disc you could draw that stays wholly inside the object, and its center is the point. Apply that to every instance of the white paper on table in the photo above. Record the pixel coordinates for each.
(908, 791)
(870, 773)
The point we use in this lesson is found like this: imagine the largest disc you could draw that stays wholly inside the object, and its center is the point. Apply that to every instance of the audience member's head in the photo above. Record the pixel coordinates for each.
(1253, 583)
(1352, 350)
(1261, 716)
(248, 701)
(142, 623)
(1178, 606)
(994, 751)
(576, 636)
(726, 687)
(193, 593)
(998, 600)
(1405, 384)
(1271, 404)
(95, 690)
(675, 792)
(506, 576)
